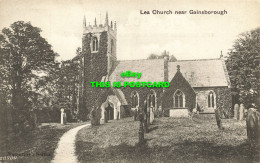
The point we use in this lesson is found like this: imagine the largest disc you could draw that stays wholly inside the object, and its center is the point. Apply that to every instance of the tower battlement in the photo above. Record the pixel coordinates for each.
(109, 27)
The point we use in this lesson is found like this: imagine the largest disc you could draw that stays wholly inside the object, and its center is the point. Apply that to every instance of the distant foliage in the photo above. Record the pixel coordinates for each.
(172, 58)
(243, 64)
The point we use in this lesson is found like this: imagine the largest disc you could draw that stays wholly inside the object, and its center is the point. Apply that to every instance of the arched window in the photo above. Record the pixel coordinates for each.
(179, 99)
(211, 100)
(95, 44)
(151, 99)
(112, 45)
(135, 99)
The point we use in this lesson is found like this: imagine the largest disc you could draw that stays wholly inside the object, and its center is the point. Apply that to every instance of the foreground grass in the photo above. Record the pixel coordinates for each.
(169, 140)
(39, 145)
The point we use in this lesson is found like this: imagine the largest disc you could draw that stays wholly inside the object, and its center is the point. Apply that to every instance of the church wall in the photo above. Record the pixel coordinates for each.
(143, 93)
(178, 83)
(95, 67)
(222, 98)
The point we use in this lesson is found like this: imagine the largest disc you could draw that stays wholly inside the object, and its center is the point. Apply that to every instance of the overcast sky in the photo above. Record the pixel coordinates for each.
(185, 36)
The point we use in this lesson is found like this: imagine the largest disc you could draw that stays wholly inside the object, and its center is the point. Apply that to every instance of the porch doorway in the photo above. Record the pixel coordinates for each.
(110, 112)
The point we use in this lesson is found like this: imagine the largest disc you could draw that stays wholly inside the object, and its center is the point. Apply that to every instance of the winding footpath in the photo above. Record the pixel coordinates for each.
(65, 152)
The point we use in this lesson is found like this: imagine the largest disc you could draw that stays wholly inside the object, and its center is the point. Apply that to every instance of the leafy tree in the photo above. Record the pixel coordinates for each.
(26, 57)
(172, 58)
(244, 68)
(68, 85)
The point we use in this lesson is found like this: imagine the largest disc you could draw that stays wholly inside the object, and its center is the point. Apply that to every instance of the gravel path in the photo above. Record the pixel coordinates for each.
(65, 152)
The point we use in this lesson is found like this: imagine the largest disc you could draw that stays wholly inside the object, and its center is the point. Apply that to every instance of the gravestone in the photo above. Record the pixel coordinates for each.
(151, 115)
(135, 114)
(148, 116)
(62, 117)
(160, 111)
(218, 118)
(98, 115)
(93, 116)
(253, 126)
(241, 111)
(141, 127)
(236, 109)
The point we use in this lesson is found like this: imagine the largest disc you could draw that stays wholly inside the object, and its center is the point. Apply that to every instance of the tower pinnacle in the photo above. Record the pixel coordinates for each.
(84, 22)
(106, 23)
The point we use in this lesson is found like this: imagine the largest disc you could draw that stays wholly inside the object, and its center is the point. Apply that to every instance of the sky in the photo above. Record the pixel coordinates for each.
(185, 36)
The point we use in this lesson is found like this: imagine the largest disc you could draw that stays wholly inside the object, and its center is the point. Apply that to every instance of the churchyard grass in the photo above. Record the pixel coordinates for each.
(169, 140)
(39, 145)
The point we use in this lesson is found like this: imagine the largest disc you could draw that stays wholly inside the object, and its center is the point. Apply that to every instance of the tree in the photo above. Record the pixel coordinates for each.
(172, 58)
(244, 68)
(26, 57)
(67, 86)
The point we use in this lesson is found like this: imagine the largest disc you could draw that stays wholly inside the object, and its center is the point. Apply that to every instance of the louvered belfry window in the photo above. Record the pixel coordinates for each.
(95, 44)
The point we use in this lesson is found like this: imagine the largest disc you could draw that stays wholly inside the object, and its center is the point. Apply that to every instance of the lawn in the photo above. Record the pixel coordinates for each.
(39, 145)
(169, 140)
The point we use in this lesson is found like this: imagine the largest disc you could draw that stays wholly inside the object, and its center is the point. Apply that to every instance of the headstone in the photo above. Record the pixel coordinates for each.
(93, 116)
(135, 114)
(151, 115)
(141, 128)
(160, 111)
(241, 111)
(62, 116)
(253, 123)
(148, 117)
(98, 115)
(236, 109)
(218, 118)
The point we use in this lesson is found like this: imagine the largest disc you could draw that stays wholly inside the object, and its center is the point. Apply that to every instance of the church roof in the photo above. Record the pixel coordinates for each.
(201, 73)
(152, 70)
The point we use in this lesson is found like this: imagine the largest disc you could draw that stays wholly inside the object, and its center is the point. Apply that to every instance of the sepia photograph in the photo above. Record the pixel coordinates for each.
(129, 81)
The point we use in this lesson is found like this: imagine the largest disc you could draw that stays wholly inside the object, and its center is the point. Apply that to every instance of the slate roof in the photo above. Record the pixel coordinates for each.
(201, 73)
(152, 70)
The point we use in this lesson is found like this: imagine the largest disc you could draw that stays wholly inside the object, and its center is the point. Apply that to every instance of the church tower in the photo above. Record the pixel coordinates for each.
(99, 57)
(99, 41)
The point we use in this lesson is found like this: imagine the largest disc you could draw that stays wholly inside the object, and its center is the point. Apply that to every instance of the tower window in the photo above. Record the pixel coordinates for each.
(95, 44)
(179, 99)
(211, 100)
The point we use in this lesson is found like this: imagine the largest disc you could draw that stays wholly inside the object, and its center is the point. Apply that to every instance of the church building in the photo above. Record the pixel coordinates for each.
(200, 83)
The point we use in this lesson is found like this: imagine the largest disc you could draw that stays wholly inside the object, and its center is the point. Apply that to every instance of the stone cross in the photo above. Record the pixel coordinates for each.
(236, 109)
(241, 111)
